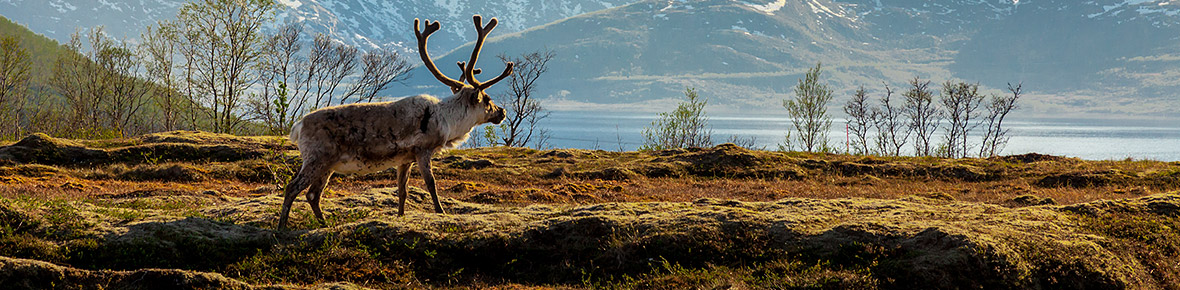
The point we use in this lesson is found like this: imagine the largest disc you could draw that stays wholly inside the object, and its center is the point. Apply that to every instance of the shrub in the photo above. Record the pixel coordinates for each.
(687, 126)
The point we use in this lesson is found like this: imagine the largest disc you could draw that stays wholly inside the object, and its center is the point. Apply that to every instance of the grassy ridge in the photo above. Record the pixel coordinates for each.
(697, 218)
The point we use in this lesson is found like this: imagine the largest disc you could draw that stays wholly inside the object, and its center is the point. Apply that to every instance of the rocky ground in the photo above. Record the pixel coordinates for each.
(193, 210)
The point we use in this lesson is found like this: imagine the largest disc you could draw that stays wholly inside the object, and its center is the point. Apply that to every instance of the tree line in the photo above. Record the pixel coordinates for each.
(959, 112)
(882, 127)
(211, 68)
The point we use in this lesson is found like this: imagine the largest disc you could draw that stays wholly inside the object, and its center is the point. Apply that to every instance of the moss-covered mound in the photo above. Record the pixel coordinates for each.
(33, 274)
(731, 161)
(169, 146)
(796, 242)
(18, 273)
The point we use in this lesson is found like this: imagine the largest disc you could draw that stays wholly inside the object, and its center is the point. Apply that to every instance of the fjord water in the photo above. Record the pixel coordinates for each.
(1091, 139)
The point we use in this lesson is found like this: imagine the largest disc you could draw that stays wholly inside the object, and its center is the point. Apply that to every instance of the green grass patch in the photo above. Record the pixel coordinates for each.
(1152, 240)
(333, 260)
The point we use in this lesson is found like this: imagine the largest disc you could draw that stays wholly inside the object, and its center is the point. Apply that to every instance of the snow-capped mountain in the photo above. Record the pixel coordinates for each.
(364, 23)
(371, 23)
(1112, 56)
(57, 19)
(1115, 56)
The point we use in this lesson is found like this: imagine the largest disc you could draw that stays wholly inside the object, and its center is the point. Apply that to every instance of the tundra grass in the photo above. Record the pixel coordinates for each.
(722, 217)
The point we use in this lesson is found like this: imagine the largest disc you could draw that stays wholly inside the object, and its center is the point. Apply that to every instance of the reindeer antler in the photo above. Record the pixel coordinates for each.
(432, 27)
(463, 68)
(469, 71)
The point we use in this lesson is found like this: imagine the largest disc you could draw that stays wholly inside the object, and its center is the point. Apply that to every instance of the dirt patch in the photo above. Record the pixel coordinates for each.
(142, 193)
(721, 157)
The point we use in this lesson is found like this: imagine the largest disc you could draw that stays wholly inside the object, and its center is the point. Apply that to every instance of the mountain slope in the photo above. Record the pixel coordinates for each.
(370, 23)
(1098, 56)
(364, 23)
(42, 50)
(1078, 57)
(737, 53)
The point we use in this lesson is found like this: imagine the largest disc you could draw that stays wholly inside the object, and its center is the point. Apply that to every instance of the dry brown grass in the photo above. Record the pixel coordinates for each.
(513, 208)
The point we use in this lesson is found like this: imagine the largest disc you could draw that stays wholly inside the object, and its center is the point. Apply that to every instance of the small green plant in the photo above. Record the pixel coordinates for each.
(150, 157)
(331, 260)
(489, 133)
(282, 104)
(279, 167)
(687, 126)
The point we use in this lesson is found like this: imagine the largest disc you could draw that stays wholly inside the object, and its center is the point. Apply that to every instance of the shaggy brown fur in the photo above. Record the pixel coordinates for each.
(365, 138)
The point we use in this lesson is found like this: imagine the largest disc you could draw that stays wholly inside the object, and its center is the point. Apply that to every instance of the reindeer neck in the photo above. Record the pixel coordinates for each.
(455, 119)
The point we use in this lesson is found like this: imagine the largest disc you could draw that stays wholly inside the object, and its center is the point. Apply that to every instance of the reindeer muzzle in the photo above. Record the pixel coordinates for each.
(498, 117)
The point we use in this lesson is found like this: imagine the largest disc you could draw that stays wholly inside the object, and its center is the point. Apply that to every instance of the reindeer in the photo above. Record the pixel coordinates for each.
(365, 138)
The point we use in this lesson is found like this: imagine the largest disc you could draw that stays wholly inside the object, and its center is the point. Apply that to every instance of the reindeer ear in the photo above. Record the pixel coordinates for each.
(475, 97)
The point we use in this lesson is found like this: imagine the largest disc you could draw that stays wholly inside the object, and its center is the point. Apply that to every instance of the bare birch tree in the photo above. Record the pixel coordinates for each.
(524, 112)
(923, 115)
(961, 103)
(379, 68)
(69, 78)
(892, 131)
(222, 44)
(121, 93)
(996, 136)
(15, 69)
(277, 68)
(159, 49)
(860, 119)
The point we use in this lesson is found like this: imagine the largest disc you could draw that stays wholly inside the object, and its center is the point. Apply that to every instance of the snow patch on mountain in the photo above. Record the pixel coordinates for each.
(293, 4)
(1161, 13)
(768, 8)
(822, 10)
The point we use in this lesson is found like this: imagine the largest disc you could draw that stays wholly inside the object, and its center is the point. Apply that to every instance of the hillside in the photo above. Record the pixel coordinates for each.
(147, 213)
(53, 109)
(44, 51)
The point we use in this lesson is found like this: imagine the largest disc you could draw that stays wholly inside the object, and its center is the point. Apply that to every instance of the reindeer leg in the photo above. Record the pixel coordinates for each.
(297, 184)
(314, 193)
(403, 176)
(428, 178)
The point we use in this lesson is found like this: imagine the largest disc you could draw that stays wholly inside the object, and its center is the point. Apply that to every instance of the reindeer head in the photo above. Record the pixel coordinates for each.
(471, 93)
